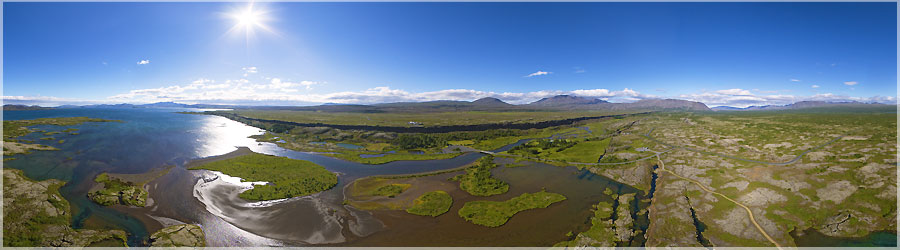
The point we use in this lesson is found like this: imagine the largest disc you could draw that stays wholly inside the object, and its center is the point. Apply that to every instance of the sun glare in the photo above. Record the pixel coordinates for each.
(248, 19)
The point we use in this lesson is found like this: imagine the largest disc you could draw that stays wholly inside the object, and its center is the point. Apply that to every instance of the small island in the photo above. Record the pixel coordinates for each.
(497, 213)
(124, 189)
(431, 204)
(478, 181)
(114, 191)
(285, 177)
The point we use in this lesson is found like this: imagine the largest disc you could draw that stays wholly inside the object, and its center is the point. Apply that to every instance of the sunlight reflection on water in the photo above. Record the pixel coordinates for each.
(222, 135)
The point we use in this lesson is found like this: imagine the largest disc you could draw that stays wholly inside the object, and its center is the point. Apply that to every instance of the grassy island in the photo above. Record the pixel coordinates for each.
(287, 177)
(497, 213)
(125, 189)
(431, 204)
(478, 181)
(115, 191)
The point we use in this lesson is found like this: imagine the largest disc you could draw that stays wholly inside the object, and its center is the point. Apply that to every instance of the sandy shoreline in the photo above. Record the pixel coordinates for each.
(311, 219)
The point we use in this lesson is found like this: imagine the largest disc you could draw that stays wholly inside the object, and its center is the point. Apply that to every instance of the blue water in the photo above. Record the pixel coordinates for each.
(349, 146)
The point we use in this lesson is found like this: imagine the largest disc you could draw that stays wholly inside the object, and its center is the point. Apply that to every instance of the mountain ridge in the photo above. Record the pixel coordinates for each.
(558, 102)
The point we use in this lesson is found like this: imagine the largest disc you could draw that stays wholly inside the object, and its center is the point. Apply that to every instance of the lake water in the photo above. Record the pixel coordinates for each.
(152, 138)
(146, 139)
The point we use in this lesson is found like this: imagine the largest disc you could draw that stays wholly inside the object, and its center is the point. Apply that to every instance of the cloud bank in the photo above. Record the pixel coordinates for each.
(278, 91)
(281, 92)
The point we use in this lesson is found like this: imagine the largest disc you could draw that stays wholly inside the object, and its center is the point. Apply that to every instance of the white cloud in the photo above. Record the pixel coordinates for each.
(815, 86)
(249, 70)
(278, 91)
(850, 83)
(734, 92)
(142, 62)
(579, 70)
(795, 80)
(539, 73)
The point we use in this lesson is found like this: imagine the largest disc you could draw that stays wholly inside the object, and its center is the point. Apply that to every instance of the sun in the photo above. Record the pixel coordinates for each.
(248, 19)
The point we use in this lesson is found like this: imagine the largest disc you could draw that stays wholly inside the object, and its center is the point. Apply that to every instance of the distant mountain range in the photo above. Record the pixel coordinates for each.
(584, 103)
(23, 107)
(152, 105)
(559, 102)
(804, 105)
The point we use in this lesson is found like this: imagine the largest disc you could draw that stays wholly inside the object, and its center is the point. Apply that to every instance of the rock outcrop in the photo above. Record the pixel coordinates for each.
(35, 214)
(184, 235)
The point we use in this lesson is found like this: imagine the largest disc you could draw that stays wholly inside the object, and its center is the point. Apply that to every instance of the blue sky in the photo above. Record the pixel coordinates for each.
(736, 54)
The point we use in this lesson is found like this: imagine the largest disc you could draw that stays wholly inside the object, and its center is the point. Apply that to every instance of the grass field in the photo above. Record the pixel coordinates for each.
(564, 150)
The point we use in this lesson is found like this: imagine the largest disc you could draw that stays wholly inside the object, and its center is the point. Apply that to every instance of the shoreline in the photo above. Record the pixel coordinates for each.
(313, 220)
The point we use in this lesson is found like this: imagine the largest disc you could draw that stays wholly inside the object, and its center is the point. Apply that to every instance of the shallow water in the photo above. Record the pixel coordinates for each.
(536, 227)
(349, 146)
(813, 238)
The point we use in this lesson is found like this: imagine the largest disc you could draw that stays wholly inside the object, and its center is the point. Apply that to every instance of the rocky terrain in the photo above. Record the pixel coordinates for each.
(35, 214)
(184, 235)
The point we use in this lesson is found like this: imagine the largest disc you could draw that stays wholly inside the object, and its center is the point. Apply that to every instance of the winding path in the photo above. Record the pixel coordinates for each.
(749, 212)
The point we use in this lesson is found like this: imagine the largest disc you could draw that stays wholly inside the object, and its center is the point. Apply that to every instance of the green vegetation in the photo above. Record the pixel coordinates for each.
(354, 156)
(566, 150)
(601, 233)
(184, 235)
(391, 190)
(478, 181)
(431, 204)
(35, 214)
(17, 128)
(497, 213)
(115, 191)
(287, 177)
(461, 143)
